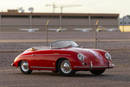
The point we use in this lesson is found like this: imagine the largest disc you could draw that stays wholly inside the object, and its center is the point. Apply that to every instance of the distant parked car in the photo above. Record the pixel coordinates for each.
(100, 29)
(83, 29)
(30, 29)
(64, 57)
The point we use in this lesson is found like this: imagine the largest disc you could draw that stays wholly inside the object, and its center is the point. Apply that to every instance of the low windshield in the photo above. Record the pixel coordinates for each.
(63, 44)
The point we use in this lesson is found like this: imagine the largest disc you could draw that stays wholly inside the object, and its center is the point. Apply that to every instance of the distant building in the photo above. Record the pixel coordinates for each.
(125, 20)
(125, 23)
(13, 20)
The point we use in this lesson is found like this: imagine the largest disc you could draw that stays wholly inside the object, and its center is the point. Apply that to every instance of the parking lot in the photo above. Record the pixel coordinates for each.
(117, 43)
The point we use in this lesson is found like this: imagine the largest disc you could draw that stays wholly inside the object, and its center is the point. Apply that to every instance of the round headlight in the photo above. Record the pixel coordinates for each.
(80, 57)
(108, 56)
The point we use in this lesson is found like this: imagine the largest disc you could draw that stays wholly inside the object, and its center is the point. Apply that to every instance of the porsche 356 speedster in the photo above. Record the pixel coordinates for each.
(64, 57)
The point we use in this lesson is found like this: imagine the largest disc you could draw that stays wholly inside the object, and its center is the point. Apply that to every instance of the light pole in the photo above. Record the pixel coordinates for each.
(61, 9)
(30, 17)
(96, 38)
(47, 22)
(53, 7)
(61, 13)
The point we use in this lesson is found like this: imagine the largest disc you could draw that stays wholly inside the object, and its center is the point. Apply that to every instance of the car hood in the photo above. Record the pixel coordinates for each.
(85, 50)
(90, 53)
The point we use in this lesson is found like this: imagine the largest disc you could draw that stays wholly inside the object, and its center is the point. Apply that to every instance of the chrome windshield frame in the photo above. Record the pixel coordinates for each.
(64, 46)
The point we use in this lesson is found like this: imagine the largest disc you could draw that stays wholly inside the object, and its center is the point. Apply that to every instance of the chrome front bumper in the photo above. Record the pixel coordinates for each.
(91, 66)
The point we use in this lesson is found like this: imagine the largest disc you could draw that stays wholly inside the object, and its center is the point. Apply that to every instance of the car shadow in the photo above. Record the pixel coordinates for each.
(48, 73)
(59, 75)
(111, 77)
(77, 75)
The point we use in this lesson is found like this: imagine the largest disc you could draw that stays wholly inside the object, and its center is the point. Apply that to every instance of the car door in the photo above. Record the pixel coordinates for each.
(44, 59)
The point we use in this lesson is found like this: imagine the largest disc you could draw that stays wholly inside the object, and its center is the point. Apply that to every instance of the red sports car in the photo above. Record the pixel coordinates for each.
(64, 57)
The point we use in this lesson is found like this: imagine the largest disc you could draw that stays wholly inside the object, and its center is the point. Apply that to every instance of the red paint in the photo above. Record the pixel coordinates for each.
(48, 58)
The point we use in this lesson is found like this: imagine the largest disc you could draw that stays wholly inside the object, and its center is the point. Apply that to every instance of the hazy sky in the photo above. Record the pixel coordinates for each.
(87, 6)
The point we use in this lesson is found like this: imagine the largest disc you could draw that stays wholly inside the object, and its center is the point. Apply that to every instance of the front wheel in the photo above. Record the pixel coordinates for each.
(24, 67)
(65, 68)
(97, 72)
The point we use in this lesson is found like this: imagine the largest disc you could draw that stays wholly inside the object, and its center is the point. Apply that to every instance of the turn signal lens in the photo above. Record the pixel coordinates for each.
(32, 49)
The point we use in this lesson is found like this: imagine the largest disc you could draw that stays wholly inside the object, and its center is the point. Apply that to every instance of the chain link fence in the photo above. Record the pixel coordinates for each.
(102, 37)
(15, 39)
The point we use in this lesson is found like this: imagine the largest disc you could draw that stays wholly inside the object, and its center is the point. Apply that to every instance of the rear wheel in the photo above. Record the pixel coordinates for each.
(64, 67)
(97, 72)
(24, 67)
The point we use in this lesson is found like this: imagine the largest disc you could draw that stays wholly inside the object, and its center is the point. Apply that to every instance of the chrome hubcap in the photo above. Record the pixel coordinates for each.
(24, 66)
(65, 67)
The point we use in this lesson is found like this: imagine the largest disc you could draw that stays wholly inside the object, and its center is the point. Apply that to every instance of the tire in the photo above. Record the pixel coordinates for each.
(24, 67)
(97, 72)
(64, 68)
